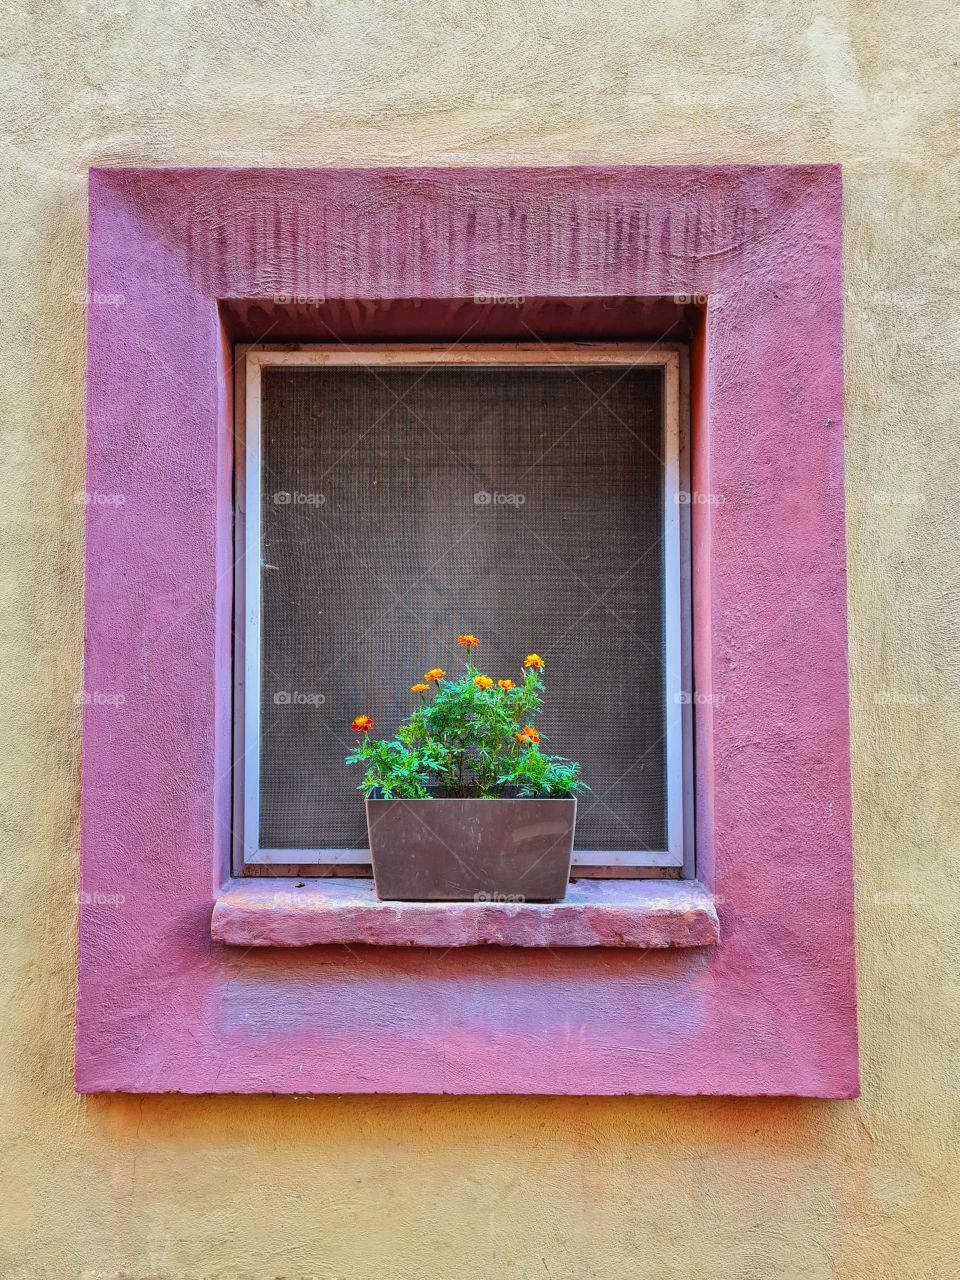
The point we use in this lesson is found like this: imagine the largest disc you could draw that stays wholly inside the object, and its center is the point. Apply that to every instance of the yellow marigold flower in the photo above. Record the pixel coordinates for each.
(435, 674)
(527, 734)
(505, 684)
(419, 688)
(362, 724)
(483, 682)
(469, 641)
(535, 661)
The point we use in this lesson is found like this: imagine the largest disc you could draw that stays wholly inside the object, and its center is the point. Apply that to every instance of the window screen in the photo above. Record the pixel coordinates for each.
(403, 506)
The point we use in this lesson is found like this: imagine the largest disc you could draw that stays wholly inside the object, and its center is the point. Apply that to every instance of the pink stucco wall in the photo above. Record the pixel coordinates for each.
(771, 1009)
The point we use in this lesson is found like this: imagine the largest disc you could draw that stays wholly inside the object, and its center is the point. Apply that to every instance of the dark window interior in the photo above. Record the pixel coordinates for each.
(402, 506)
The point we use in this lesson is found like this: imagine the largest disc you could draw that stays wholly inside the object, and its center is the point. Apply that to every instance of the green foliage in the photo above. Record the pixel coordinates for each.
(396, 769)
(535, 774)
(464, 739)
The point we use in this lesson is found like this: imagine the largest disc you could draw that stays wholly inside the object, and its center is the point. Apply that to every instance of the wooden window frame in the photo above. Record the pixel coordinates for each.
(677, 859)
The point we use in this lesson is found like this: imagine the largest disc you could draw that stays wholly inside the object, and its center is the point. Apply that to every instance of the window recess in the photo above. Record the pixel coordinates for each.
(389, 498)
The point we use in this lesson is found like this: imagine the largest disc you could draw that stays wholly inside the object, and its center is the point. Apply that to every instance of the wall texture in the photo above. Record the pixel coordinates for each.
(450, 1189)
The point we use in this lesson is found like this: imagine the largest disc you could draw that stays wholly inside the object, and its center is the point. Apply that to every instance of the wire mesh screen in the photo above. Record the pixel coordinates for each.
(404, 506)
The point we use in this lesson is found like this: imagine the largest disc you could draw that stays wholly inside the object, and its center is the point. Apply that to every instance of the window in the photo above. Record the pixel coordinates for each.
(391, 497)
(679, 1003)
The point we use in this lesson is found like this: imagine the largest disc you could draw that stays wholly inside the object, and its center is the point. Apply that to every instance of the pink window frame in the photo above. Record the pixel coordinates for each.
(769, 1010)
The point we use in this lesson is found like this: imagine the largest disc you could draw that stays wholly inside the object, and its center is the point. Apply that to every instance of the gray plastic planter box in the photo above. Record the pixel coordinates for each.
(471, 850)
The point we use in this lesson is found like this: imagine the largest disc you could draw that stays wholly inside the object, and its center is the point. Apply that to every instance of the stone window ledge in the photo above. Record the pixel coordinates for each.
(595, 913)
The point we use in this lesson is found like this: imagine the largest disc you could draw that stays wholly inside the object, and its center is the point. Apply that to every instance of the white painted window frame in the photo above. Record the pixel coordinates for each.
(678, 857)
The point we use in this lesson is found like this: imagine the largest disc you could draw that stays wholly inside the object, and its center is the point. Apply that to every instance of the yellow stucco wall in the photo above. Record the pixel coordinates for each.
(457, 1189)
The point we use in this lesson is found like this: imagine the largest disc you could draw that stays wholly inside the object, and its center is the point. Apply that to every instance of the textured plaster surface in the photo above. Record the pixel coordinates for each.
(594, 913)
(258, 1188)
(772, 1010)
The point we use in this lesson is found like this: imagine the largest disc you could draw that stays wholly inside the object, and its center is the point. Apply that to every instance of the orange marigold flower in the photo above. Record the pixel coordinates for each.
(435, 674)
(483, 682)
(505, 684)
(527, 734)
(362, 724)
(535, 661)
(419, 688)
(469, 641)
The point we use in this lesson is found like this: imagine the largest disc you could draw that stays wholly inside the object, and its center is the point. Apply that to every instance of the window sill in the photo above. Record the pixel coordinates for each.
(595, 913)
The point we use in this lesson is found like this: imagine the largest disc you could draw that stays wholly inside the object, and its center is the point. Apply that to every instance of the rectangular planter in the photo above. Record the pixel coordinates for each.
(471, 850)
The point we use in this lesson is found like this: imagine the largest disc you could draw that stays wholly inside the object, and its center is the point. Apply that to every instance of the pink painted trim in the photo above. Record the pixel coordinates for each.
(769, 1010)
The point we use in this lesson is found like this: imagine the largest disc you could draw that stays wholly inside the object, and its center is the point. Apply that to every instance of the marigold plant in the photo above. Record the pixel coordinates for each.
(468, 736)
